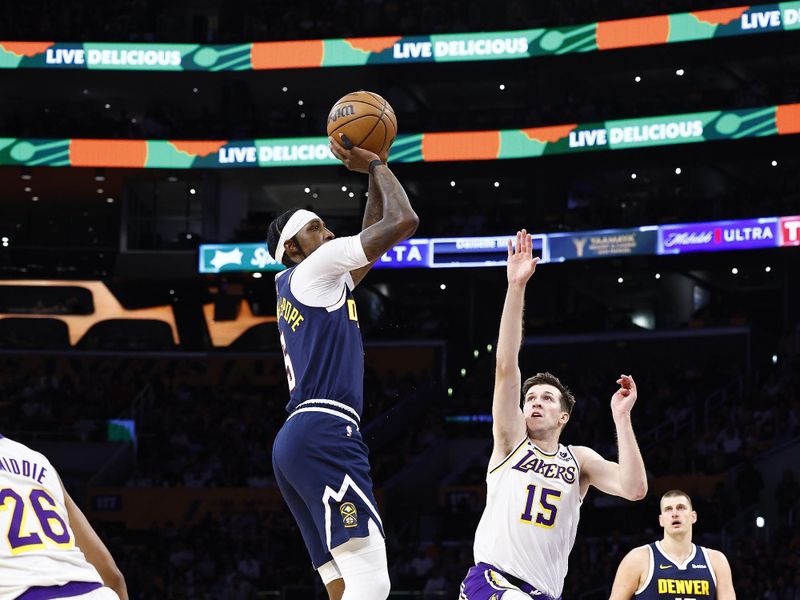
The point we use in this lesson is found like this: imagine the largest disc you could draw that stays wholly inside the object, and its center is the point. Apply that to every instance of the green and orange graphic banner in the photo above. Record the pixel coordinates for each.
(421, 147)
(459, 47)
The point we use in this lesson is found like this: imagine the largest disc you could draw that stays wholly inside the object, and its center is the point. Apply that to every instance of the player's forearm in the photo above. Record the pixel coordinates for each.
(633, 477)
(396, 209)
(373, 212)
(510, 337)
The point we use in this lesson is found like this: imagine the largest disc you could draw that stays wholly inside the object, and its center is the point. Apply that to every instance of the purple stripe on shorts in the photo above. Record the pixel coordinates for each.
(68, 590)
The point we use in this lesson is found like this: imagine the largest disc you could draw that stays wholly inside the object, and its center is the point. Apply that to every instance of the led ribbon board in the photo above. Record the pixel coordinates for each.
(712, 236)
(459, 47)
(421, 147)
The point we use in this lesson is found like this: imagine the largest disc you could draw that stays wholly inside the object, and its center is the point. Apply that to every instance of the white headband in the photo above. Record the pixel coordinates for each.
(295, 223)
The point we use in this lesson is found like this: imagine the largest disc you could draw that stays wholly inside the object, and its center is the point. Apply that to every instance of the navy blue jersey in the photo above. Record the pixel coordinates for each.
(694, 579)
(322, 347)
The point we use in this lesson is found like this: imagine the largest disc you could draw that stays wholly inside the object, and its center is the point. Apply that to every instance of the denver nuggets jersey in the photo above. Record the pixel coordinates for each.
(666, 580)
(37, 546)
(532, 510)
(322, 346)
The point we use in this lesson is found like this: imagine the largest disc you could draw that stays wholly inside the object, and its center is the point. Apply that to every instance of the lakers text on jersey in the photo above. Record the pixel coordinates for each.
(531, 517)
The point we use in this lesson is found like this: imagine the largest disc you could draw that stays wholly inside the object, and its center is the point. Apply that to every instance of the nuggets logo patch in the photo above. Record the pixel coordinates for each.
(349, 514)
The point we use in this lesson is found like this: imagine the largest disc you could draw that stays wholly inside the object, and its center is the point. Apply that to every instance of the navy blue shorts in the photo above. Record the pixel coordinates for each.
(321, 465)
(486, 582)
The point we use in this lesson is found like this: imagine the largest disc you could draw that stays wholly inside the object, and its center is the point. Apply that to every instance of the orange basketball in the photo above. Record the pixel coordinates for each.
(366, 119)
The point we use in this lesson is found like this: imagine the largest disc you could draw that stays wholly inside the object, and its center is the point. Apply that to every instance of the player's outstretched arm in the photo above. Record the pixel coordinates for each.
(508, 423)
(397, 221)
(94, 549)
(627, 478)
(722, 570)
(373, 211)
(630, 574)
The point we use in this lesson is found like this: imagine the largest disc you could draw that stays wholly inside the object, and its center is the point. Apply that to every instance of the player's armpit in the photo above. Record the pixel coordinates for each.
(722, 570)
(359, 274)
(630, 574)
(94, 549)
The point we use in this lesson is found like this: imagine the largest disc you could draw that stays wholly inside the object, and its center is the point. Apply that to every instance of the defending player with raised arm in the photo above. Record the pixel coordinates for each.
(673, 567)
(51, 550)
(320, 461)
(535, 485)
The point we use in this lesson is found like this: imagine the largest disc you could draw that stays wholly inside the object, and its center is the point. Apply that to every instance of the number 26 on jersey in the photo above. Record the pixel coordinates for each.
(23, 533)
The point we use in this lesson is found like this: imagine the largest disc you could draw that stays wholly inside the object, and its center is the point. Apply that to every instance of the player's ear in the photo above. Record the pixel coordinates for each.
(694, 516)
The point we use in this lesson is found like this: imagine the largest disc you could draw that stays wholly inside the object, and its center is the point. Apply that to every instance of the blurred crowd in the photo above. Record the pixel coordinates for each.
(209, 424)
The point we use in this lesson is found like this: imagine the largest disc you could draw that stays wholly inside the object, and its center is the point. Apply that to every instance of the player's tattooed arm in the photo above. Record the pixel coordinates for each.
(508, 422)
(398, 220)
(373, 212)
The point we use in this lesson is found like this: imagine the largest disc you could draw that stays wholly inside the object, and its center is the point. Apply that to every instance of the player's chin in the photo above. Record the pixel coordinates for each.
(536, 424)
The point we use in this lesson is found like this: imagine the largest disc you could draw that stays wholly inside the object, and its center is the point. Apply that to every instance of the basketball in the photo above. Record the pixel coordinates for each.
(366, 119)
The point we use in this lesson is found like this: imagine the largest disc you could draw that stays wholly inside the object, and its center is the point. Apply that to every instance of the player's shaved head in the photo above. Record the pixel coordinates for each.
(676, 494)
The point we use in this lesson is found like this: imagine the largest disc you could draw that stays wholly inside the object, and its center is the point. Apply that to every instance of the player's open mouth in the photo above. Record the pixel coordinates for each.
(536, 414)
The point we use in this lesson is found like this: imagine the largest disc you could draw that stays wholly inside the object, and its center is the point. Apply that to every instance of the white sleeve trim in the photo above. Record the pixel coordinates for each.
(649, 570)
(708, 562)
(321, 278)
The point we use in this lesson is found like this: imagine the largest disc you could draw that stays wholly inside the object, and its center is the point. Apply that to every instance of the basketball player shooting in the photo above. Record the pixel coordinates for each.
(535, 485)
(319, 458)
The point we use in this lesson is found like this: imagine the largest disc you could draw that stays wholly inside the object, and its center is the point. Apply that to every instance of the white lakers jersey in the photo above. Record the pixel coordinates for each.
(37, 546)
(532, 510)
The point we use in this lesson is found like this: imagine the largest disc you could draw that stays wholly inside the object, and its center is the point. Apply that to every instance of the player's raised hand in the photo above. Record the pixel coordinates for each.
(625, 397)
(354, 158)
(521, 262)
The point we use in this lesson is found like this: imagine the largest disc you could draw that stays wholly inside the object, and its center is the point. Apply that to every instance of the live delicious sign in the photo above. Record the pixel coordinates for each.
(719, 235)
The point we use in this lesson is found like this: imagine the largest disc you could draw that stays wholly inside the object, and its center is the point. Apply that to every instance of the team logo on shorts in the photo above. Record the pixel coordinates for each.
(349, 514)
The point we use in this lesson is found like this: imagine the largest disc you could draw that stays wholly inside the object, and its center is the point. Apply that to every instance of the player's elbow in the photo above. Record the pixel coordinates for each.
(114, 579)
(408, 224)
(637, 491)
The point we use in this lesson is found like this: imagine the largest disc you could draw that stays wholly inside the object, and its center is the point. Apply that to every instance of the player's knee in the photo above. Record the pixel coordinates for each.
(362, 563)
(368, 586)
(382, 585)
